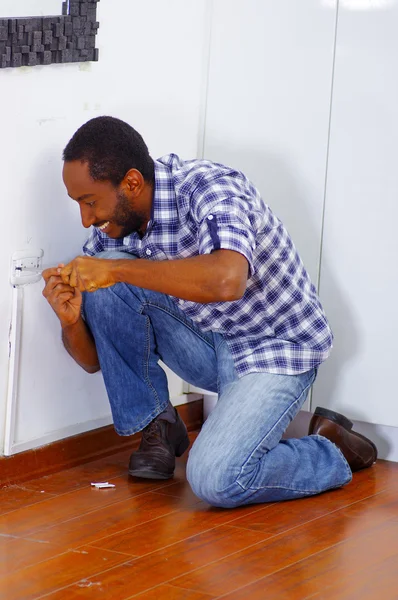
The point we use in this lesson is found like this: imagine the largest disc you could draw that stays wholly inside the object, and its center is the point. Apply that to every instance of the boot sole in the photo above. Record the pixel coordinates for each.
(150, 474)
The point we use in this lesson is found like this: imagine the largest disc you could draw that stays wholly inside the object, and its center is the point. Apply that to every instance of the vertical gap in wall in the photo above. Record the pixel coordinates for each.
(208, 26)
(205, 78)
(328, 147)
(327, 159)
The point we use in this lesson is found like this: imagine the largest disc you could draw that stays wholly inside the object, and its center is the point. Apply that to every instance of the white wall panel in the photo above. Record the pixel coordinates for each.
(359, 275)
(268, 105)
(150, 74)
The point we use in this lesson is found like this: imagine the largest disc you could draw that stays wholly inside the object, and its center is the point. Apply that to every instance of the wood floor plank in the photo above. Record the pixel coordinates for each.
(50, 575)
(93, 526)
(17, 553)
(378, 581)
(170, 529)
(180, 489)
(161, 592)
(81, 476)
(103, 469)
(345, 570)
(160, 567)
(13, 497)
(28, 521)
(285, 549)
(169, 592)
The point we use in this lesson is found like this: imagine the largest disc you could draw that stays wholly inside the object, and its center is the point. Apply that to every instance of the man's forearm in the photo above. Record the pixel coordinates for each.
(79, 343)
(205, 278)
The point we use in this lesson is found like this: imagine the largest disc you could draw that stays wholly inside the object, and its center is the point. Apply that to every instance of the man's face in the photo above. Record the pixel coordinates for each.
(113, 210)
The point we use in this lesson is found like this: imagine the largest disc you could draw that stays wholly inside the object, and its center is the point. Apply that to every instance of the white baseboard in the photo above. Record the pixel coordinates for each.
(77, 428)
(385, 438)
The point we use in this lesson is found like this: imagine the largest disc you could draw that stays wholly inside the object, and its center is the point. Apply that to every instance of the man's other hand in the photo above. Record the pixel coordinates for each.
(88, 274)
(65, 300)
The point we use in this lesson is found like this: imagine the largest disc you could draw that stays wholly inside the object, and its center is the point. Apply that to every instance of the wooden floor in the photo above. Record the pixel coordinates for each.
(62, 539)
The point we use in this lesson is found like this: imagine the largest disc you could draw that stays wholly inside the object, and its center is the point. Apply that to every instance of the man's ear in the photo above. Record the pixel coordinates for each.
(133, 183)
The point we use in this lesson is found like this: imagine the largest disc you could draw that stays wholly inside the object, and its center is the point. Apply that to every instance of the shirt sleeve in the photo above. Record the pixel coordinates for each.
(226, 226)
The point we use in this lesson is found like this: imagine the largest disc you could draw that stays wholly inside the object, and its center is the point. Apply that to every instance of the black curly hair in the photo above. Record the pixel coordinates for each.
(111, 148)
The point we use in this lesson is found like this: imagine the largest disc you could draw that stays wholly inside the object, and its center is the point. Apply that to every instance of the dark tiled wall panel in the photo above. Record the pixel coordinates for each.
(70, 37)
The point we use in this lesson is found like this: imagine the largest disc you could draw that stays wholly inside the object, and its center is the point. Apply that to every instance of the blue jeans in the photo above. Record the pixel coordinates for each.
(238, 457)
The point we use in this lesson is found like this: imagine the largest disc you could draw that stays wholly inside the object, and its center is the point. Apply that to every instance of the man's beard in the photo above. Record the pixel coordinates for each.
(126, 218)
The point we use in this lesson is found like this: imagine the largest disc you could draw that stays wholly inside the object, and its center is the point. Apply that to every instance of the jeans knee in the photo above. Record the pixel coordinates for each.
(112, 301)
(212, 481)
(97, 303)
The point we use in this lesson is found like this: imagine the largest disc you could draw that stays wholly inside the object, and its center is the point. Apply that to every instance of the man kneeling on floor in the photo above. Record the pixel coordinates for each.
(187, 264)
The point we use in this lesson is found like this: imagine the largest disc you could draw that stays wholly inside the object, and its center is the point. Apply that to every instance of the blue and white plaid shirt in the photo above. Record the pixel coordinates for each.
(278, 326)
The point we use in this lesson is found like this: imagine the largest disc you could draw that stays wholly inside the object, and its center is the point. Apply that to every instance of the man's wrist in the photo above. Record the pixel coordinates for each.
(68, 326)
(117, 269)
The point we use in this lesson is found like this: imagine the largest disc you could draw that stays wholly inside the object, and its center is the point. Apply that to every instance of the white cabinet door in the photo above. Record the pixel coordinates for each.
(359, 274)
(269, 103)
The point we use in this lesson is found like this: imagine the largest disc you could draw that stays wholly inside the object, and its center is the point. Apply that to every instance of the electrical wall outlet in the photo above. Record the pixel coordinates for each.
(26, 266)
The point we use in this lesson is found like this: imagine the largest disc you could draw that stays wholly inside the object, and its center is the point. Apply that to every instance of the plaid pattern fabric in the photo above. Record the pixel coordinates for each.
(279, 325)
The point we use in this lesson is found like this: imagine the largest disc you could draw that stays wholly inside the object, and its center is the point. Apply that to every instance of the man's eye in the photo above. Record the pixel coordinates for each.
(90, 203)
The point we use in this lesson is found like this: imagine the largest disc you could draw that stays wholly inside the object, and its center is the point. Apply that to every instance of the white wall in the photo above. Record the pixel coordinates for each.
(268, 105)
(150, 71)
(359, 279)
(29, 8)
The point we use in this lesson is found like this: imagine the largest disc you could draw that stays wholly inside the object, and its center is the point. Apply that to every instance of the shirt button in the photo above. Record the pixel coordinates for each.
(210, 217)
(148, 252)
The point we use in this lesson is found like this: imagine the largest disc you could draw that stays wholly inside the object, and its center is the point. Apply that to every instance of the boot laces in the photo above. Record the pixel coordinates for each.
(152, 433)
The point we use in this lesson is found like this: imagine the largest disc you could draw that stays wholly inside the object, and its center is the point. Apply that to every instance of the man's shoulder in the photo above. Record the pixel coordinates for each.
(193, 173)
(177, 165)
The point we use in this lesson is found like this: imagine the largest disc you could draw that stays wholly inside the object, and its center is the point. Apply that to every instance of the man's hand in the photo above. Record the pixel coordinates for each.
(88, 274)
(65, 300)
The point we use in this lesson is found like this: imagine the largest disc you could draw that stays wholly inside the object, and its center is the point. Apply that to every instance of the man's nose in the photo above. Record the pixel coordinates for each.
(87, 216)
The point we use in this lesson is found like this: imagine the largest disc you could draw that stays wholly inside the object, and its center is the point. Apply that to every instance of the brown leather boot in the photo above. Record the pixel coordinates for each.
(357, 449)
(161, 442)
